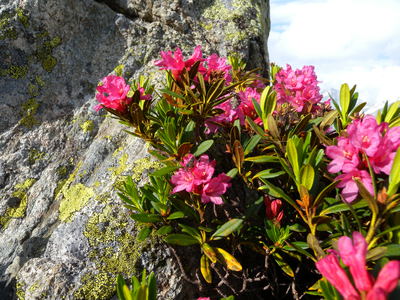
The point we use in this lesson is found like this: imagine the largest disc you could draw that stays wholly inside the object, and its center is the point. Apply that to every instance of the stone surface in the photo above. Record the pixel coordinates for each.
(63, 231)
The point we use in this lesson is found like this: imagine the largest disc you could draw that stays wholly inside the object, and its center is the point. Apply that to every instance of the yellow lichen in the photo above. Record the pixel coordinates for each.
(75, 196)
(35, 155)
(18, 212)
(142, 165)
(44, 54)
(40, 81)
(114, 251)
(29, 109)
(22, 18)
(20, 291)
(7, 30)
(87, 126)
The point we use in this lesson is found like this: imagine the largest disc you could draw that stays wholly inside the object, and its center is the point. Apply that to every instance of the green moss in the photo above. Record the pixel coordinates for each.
(87, 126)
(33, 90)
(114, 251)
(44, 54)
(22, 18)
(7, 30)
(17, 72)
(35, 155)
(40, 81)
(29, 109)
(18, 212)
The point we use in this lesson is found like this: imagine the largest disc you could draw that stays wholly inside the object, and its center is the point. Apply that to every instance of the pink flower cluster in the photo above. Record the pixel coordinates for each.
(353, 254)
(364, 136)
(299, 88)
(273, 209)
(176, 63)
(244, 108)
(113, 93)
(196, 177)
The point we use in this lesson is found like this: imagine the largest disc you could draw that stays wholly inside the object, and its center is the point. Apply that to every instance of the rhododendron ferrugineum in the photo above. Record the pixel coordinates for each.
(196, 177)
(230, 114)
(273, 209)
(364, 137)
(353, 254)
(113, 93)
(299, 88)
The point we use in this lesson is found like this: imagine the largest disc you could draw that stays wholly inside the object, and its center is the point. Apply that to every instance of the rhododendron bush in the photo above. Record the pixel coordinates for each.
(280, 192)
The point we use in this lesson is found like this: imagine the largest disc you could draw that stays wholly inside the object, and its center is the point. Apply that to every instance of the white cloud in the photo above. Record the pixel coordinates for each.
(353, 41)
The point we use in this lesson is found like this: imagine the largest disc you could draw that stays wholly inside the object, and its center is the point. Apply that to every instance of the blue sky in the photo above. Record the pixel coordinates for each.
(348, 41)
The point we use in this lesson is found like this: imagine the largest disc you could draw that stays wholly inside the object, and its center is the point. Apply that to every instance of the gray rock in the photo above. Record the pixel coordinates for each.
(63, 231)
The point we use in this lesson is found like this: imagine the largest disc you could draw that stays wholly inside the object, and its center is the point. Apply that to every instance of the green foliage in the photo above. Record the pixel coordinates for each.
(146, 289)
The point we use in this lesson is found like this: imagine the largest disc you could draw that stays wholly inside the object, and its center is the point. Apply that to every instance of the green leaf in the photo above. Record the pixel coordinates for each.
(164, 171)
(343, 207)
(394, 177)
(152, 287)
(191, 231)
(203, 147)
(181, 239)
(255, 127)
(205, 268)
(171, 93)
(262, 159)
(164, 230)
(392, 250)
(268, 174)
(176, 215)
(146, 218)
(251, 144)
(344, 99)
(283, 264)
(226, 229)
(120, 285)
(143, 234)
(307, 176)
(232, 173)
(228, 260)
(292, 154)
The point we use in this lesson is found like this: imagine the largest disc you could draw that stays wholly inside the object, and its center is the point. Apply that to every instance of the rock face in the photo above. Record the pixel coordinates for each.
(63, 231)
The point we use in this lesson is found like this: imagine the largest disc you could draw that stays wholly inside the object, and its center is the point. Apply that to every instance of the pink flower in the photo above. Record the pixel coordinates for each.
(203, 170)
(386, 282)
(193, 174)
(273, 209)
(344, 156)
(175, 63)
(298, 88)
(183, 180)
(217, 66)
(113, 93)
(365, 134)
(203, 298)
(213, 190)
(347, 182)
(353, 253)
(227, 117)
(246, 106)
(393, 134)
(330, 268)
